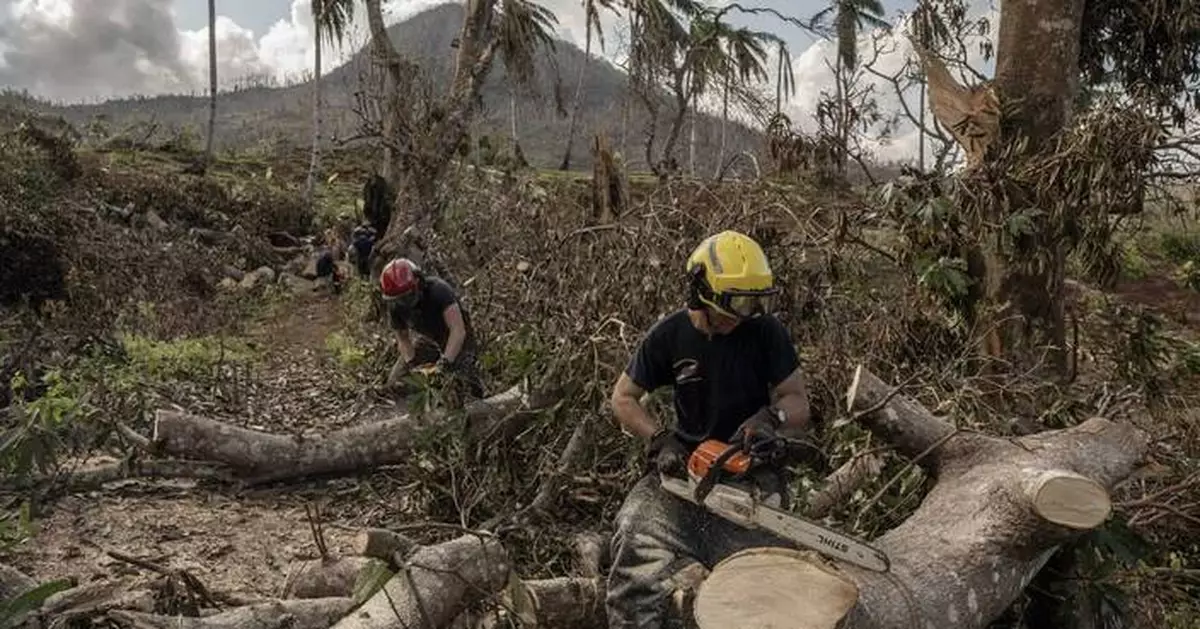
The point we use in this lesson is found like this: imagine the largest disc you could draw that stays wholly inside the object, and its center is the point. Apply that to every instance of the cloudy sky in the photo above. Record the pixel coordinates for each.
(88, 50)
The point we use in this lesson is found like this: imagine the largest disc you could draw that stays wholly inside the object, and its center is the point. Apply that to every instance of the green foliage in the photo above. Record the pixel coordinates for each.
(348, 354)
(36, 428)
(13, 611)
(197, 358)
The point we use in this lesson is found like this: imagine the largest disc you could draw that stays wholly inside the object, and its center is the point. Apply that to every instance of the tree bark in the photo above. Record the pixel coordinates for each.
(435, 586)
(212, 81)
(260, 457)
(1037, 77)
(326, 577)
(999, 509)
(316, 613)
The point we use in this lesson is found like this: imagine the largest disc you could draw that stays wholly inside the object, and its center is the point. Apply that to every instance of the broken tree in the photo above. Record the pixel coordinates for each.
(260, 457)
(999, 509)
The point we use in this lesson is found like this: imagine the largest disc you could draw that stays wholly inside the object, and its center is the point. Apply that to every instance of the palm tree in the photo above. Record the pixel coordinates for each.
(331, 20)
(849, 17)
(591, 10)
(785, 80)
(743, 61)
(522, 27)
(212, 80)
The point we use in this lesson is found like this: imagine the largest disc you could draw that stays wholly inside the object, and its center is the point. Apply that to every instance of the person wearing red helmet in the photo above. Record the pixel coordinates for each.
(430, 307)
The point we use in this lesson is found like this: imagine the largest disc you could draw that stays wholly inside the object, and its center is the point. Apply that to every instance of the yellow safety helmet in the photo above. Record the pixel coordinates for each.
(729, 272)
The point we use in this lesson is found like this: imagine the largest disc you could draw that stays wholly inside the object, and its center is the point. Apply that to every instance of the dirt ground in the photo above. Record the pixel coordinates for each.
(236, 542)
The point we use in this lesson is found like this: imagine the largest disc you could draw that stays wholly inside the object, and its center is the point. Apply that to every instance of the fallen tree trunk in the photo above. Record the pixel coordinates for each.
(314, 613)
(999, 509)
(840, 485)
(260, 457)
(435, 585)
(328, 577)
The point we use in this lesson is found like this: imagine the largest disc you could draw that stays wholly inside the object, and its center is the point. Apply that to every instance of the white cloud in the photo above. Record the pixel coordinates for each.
(93, 49)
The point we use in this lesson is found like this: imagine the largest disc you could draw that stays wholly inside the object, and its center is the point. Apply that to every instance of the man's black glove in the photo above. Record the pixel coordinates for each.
(445, 365)
(667, 454)
(758, 437)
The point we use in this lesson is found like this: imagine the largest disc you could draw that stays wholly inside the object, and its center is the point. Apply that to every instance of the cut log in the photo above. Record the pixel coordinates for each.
(436, 585)
(326, 578)
(92, 599)
(382, 544)
(260, 457)
(96, 477)
(746, 589)
(315, 613)
(999, 509)
(840, 485)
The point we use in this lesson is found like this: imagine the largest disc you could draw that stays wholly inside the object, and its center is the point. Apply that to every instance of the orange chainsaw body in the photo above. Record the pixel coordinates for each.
(705, 454)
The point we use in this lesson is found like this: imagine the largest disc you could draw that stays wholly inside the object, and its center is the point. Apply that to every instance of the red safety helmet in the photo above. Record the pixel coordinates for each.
(400, 280)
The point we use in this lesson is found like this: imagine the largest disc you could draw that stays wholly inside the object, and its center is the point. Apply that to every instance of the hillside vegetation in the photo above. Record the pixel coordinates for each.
(255, 119)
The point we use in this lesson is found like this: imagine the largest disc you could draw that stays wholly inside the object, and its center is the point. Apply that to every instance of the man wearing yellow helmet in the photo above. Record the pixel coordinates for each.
(736, 378)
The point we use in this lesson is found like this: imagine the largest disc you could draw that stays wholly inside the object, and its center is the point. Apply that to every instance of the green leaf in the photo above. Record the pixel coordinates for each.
(13, 611)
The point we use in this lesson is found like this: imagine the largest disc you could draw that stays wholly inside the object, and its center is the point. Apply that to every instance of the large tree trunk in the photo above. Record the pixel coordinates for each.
(999, 509)
(260, 457)
(1037, 77)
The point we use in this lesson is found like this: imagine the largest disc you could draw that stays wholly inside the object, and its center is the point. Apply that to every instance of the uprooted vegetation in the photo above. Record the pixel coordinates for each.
(136, 324)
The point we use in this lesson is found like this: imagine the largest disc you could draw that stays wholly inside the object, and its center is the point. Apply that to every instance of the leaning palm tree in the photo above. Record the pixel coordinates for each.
(785, 80)
(591, 10)
(212, 81)
(331, 20)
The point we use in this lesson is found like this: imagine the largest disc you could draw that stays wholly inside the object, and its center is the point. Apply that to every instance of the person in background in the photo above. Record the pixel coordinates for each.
(429, 306)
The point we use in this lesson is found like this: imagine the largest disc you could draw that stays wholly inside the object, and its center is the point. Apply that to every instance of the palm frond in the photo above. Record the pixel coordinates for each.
(333, 18)
(522, 27)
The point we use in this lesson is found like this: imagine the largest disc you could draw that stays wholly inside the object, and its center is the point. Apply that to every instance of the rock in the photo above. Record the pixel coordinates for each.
(266, 272)
(523, 266)
(231, 271)
(228, 283)
(297, 284)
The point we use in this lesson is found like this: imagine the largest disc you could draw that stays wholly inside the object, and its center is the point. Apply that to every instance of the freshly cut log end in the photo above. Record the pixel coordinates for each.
(382, 544)
(1068, 499)
(764, 588)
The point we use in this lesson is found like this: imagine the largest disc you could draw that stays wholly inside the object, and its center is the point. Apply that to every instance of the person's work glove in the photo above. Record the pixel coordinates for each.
(445, 365)
(667, 454)
(758, 437)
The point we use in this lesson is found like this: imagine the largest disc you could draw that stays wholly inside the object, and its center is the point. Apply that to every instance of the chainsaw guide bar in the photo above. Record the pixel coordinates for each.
(741, 508)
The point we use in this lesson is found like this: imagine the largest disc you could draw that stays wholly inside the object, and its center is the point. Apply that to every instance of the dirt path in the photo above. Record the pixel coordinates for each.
(236, 542)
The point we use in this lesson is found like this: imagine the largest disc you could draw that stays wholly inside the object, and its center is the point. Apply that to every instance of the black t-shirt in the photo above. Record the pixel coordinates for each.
(718, 382)
(427, 318)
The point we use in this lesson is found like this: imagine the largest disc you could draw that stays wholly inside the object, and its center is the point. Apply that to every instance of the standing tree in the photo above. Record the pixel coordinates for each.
(422, 135)
(849, 18)
(331, 20)
(591, 11)
(212, 82)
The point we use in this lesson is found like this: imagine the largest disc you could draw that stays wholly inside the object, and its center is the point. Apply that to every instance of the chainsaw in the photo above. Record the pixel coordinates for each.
(712, 458)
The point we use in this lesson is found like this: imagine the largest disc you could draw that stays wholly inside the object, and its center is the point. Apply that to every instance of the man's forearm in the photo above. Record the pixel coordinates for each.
(405, 345)
(634, 417)
(454, 343)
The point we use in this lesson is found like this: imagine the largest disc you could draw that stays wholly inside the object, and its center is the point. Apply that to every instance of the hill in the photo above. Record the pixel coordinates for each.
(263, 116)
